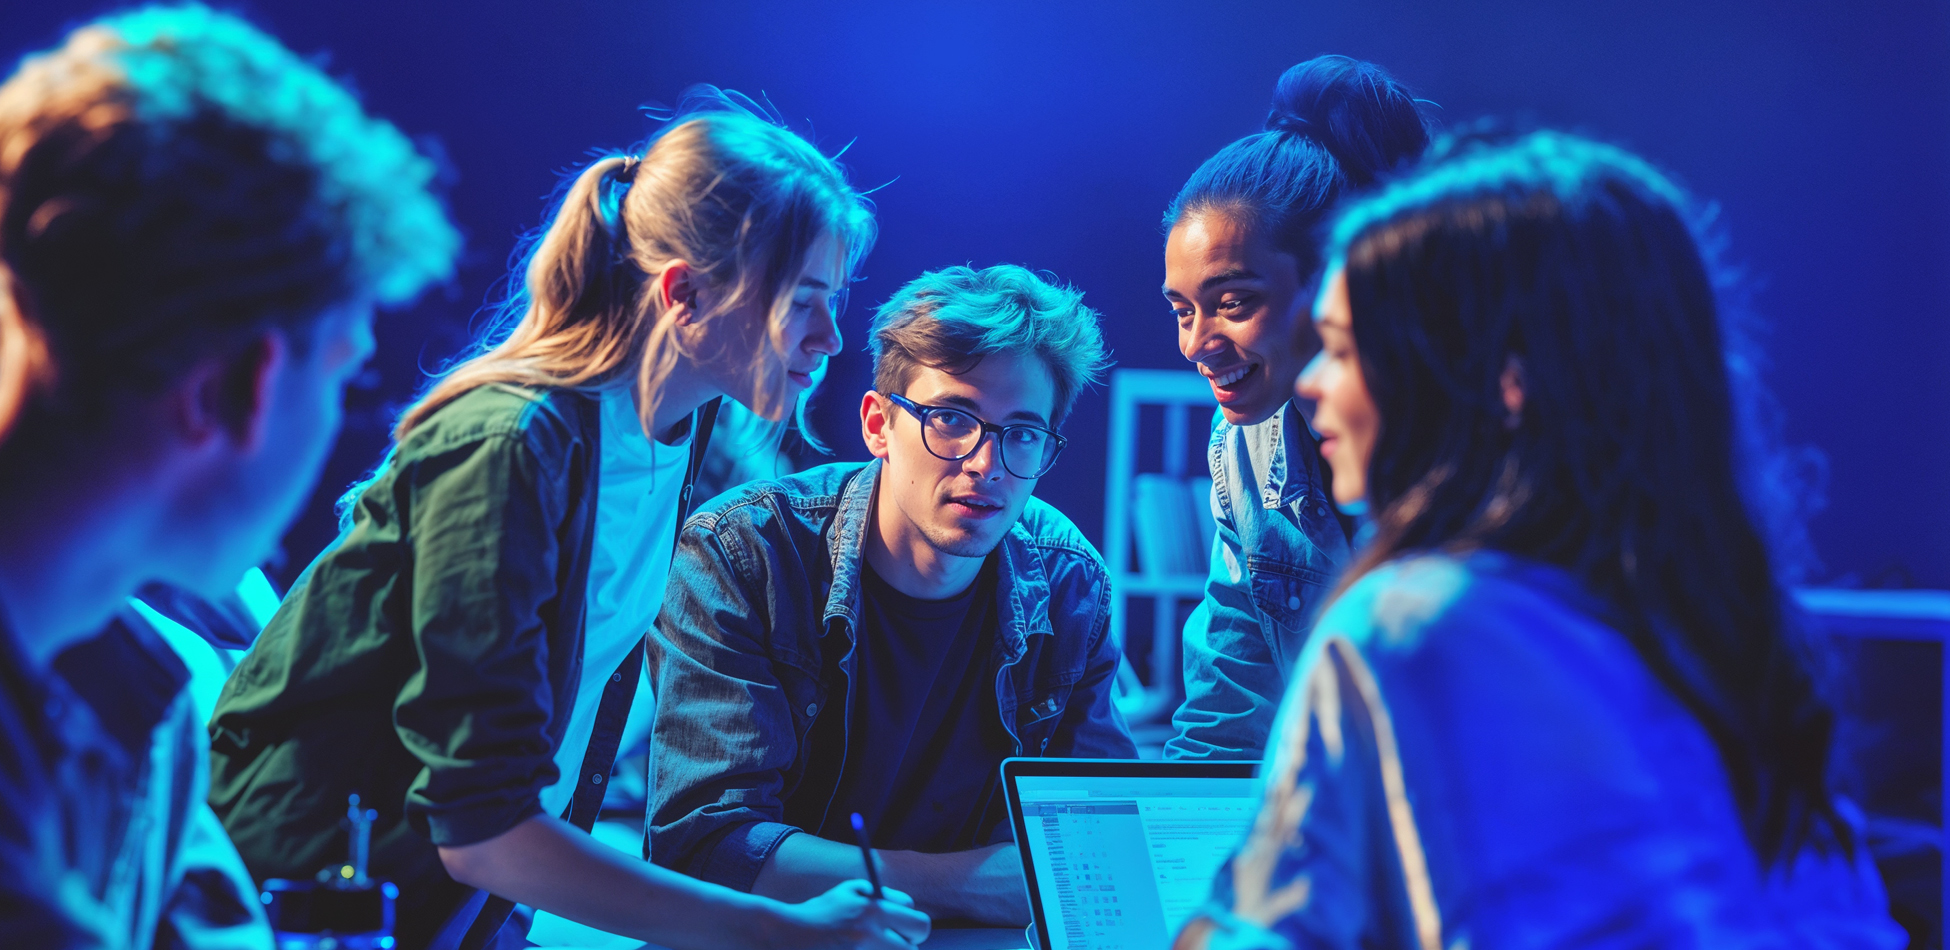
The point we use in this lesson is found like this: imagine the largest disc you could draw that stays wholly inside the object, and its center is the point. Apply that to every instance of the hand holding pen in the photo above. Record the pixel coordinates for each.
(866, 852)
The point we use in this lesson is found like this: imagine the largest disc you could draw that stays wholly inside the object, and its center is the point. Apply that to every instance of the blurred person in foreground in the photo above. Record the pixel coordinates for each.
(1561, 698)
(195, 226)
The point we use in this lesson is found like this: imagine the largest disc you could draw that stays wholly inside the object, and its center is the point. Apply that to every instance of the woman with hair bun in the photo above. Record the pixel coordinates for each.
(1240, 258)
(463, 656)
(1561, 698)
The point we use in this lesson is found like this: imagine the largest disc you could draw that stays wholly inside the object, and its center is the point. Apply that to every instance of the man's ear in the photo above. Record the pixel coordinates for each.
(676, 287)
(1512, 385)
(229, 396)
(874, 423)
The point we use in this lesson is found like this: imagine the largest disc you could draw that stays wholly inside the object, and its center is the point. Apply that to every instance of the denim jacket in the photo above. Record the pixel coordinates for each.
(1280, 543)
(756, 640)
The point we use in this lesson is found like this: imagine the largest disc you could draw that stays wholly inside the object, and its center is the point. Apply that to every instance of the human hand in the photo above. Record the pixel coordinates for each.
(848, 918)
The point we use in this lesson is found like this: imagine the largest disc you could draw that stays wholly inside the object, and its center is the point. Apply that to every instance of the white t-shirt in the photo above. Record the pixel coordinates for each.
(636, 521)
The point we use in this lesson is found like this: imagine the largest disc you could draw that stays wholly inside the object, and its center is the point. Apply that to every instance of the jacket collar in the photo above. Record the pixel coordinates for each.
(1289, 478)
(1022, 583)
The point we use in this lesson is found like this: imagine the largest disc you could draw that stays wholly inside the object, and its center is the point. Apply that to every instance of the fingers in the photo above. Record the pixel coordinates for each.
(854, 888)
(908, 923)
(897, 897)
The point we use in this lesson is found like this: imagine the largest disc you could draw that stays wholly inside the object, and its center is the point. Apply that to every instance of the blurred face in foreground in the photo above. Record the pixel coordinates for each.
(1344, 413)
(246, 482)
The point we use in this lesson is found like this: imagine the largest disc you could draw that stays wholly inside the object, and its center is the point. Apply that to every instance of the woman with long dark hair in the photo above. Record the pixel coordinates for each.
(1241, 254)
(464, 655)
(1560, 698)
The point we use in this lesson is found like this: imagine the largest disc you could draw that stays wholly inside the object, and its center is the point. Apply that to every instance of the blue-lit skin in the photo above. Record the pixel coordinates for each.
(1344, 412)
(808, 335)
(1240, 310)
(191, 487)
(253, 484)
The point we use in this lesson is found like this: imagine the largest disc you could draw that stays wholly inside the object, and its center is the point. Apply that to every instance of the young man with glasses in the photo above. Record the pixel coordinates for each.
(876, 638)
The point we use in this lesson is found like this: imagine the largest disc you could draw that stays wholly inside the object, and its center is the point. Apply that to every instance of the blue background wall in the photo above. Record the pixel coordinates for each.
(1052, 135)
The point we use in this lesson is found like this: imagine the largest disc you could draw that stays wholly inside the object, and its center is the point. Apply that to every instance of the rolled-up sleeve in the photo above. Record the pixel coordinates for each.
(475, 710)
(723, 736)
(1233, 682)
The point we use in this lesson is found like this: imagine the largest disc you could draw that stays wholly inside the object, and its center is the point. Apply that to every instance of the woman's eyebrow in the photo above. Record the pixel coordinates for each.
(1223, 277)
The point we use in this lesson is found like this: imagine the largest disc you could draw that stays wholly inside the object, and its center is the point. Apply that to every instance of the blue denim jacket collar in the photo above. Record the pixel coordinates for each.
(1022, 585)
(1285, 484)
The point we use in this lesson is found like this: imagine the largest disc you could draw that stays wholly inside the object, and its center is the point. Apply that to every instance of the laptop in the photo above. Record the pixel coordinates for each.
(1117, 854)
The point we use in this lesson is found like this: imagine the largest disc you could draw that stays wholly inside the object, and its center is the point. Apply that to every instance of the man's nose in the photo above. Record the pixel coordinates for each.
(986, 461)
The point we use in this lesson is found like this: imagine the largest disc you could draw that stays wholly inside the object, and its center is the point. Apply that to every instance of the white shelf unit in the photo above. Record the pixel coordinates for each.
(1918, 615)
(1187, 402)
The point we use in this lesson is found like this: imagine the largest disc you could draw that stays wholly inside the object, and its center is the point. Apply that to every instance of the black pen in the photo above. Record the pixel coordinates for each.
(866, 852)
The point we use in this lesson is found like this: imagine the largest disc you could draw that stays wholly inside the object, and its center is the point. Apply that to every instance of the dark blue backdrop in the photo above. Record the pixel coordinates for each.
(1052, 135)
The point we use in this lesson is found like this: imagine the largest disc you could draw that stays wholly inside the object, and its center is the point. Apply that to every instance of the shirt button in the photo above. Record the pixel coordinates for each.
(1320, 511)
(812, 709)
(595, 778)
(1293, 603)
(616, 677)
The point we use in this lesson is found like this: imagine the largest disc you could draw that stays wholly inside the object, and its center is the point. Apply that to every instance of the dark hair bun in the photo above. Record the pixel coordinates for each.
(1353, 109)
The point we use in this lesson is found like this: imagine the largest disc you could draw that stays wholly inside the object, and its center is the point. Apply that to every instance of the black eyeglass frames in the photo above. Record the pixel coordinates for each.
(951, 434)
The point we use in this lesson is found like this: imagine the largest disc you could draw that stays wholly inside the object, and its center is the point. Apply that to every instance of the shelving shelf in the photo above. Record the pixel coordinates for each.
(1181, 394)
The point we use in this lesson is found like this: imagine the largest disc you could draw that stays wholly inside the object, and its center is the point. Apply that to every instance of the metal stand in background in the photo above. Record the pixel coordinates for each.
(1181, 394)
(1900, 843)
(343, 909)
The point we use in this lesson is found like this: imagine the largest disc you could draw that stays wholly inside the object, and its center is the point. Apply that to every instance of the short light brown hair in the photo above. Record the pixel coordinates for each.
(950, 319)
(173, 180)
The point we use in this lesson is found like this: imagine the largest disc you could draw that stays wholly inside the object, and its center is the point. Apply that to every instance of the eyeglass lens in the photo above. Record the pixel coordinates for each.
(1027, 451)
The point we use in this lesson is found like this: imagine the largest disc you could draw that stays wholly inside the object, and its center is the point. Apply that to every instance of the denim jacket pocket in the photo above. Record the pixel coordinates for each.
(805, 697)
(1286, 596)
(1038, 715)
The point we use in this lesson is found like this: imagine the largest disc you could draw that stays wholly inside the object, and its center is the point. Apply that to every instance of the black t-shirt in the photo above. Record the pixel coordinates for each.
(921, 766)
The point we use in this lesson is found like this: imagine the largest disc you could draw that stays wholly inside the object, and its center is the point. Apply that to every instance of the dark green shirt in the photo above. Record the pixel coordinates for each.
(428, 660)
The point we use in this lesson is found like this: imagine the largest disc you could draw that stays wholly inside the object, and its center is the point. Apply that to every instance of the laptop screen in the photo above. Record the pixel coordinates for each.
(1118, 862)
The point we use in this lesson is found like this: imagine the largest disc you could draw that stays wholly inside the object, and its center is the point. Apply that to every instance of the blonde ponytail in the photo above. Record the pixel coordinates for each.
(581, 322)
(738, 199)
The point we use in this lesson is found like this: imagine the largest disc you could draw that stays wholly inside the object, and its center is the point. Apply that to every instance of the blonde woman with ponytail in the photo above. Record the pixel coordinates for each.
(462, 656)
